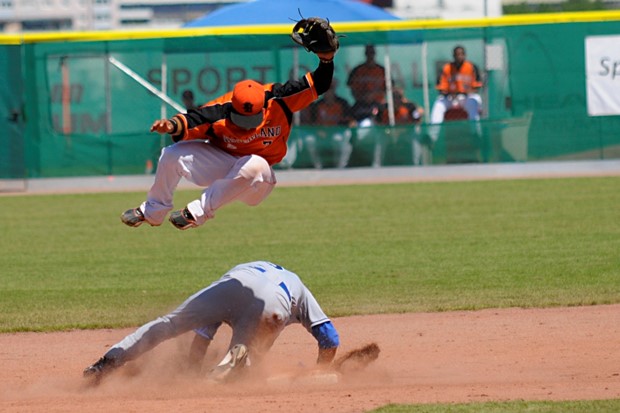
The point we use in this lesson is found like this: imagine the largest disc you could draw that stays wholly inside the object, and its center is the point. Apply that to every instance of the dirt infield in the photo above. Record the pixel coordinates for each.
(491, 355)
(530, 354)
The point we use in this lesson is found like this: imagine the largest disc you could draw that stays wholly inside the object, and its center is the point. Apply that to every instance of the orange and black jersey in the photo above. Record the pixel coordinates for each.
(212, 120)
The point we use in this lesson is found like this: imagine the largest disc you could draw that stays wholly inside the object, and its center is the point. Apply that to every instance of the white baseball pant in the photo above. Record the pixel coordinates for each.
(227, 178)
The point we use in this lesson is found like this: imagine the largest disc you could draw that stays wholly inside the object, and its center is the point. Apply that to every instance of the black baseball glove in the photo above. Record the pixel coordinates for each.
(315, 35)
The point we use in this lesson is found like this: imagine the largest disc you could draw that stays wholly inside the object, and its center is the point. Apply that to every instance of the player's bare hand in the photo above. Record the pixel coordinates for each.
(162, 126)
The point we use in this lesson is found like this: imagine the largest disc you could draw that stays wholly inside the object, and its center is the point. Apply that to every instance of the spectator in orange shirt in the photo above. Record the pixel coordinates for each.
(458, 83)
(405, 111)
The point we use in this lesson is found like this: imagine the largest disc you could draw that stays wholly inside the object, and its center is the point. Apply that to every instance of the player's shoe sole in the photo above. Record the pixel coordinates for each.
(133, 217)
(231, 366)
(182, 219)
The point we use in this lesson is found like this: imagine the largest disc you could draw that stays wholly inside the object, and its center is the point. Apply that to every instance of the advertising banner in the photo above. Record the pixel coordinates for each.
(603, 75)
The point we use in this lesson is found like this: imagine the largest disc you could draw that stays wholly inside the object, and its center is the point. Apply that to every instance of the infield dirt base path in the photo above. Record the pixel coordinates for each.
(490, 355)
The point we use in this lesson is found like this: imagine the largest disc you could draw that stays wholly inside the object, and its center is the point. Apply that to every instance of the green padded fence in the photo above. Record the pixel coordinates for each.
(79, 104)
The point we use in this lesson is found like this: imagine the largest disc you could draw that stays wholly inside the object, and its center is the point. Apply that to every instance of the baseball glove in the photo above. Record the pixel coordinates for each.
(358, 359)
(315, 35)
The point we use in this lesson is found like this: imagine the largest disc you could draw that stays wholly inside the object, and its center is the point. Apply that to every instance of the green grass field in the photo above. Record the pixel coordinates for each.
(68, 262)
(595, 406)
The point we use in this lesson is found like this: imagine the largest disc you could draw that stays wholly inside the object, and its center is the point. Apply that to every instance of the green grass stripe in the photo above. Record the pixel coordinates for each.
(68, 262)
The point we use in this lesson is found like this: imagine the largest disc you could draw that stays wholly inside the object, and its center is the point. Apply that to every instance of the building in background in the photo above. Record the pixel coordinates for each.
(446, 9)
(465, 9)
(164, 13)
(85, 15)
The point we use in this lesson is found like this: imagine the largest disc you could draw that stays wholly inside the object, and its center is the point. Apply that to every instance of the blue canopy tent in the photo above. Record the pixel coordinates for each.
(287, 11)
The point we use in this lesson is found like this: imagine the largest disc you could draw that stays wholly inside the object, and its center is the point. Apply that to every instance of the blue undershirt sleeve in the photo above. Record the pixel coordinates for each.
(326, 335)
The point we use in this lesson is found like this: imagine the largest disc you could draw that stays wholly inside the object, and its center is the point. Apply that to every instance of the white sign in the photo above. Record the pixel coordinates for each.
(603, 75)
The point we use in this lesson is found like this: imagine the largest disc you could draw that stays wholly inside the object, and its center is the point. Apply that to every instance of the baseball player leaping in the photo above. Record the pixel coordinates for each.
(257, 299)
(230, 144)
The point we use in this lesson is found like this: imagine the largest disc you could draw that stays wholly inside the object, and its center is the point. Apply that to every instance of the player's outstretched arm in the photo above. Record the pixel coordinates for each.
(173, 126)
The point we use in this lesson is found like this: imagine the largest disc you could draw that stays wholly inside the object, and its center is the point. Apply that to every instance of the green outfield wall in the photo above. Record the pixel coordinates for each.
(76, 104)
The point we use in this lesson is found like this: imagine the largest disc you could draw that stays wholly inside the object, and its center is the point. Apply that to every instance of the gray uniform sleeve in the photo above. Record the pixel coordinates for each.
(307, 310)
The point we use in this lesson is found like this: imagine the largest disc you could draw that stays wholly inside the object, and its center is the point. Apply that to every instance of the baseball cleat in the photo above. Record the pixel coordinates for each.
(182, 219)
(231, 366)
(133, 217)
(99, 369)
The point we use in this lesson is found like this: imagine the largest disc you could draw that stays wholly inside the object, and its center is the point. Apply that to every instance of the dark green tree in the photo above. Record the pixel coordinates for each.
(565, 6)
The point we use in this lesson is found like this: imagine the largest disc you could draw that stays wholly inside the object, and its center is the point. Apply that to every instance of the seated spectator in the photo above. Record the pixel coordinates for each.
(458, 85)
(333, 112)
(405, 113)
